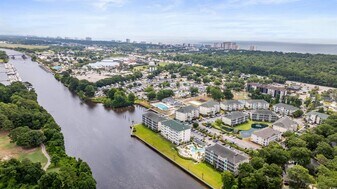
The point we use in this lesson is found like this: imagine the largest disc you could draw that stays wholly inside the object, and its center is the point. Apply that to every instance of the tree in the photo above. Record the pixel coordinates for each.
(325, 149)
(111, 93)
(194, 91)
(299, 176)
(312, 140)
(89, 91)
(297, 113)
(257, 162)
(294, 141)
(131, 98)
(55, 160)
(228, 94)
(300, 155)
(228, 180)
(23, 136)
(50, 180)
(195, 125)
(216, 94)
(151, 95)
(274, 153)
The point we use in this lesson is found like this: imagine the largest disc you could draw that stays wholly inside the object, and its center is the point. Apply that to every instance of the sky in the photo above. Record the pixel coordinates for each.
(170, 21)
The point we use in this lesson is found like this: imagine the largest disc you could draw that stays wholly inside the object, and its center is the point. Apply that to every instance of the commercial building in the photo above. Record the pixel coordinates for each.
(225, 158)
(235, 118)
(265, 136)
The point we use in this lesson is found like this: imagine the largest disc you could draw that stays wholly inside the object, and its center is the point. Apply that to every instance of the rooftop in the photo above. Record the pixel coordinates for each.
(175, 125)
(230, 102)
(285, 122)
(266, 133)
(154, 117)
(321, 115)
(232, 155)
(187, 109)
(286, 106)
(210, 103)
(235, 115)
(269, 112)
(257, 101)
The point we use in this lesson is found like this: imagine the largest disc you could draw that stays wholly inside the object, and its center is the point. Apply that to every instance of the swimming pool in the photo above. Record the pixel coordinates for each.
(161, 106)
(194, 149)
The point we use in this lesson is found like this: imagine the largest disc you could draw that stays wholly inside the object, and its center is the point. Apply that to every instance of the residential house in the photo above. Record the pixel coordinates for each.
(284, 109)
(265, 136)
(152, 120)
(175, 131)
(285, 124)
(270, 89)
(235, 118)
(231, 105)
(187, 113)
(315, 117)
(256, 104)
(225, 158)
(209, 108)
(263, 115)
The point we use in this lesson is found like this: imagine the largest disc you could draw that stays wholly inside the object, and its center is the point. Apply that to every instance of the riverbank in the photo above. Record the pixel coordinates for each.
(200, 171)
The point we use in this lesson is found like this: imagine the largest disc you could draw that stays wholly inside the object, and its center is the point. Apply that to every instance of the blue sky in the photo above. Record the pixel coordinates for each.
(308, 21)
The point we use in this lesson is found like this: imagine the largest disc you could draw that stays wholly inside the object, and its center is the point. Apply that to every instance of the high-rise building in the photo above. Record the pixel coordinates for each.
(252, 48)
(88, 38)
(127, 40)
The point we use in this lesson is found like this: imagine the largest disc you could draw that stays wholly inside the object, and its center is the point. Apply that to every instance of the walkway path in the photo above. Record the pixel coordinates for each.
(45, 153)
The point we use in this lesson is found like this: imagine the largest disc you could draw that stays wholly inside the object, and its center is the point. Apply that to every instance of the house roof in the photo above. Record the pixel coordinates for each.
(154, 117)
(321, 115)
(268, 112)
(187, 109)
(257, 101)
(286, 123)
(209, 104)
(286, 106)
(229, 153)
(266, 133)
(235, 115)
(175, 125)
(231, 102)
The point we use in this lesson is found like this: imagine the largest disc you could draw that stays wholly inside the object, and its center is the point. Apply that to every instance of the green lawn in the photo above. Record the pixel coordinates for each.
(35, 156)
(163, 63)
(248, 125)
(201, 170)
(140, 68)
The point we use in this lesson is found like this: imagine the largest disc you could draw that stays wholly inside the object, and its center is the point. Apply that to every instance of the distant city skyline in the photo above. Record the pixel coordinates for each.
(174, 21)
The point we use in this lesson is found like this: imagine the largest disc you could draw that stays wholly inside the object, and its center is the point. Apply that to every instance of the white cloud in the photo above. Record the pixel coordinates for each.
(100, 4)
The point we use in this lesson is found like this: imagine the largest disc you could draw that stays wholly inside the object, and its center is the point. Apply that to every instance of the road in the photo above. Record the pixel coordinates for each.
(45, 153)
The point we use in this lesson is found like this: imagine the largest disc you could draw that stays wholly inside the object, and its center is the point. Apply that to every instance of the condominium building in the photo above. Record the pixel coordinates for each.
(187, 113)
(316, 117)
(152, 120)
(209, 108)
(232, 105)
(263, 115)
(265, 136)
(285, 124)
(225, 158)
(235, 118)
(284, 109)
(175, 131)
(256, 104)
(274, 91)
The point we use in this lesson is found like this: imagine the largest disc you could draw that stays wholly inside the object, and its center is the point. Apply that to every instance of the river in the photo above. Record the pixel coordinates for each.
(101, 137)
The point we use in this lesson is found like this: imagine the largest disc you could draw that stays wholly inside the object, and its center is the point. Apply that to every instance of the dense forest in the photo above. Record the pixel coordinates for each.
(309, 68)
(30, 125)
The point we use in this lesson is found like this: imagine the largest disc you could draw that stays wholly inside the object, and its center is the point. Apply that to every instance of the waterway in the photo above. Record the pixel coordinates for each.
(101, 137)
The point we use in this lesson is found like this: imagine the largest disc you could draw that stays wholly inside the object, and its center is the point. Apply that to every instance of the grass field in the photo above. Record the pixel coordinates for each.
(242, 95)
(201, 170)
(140, 68)
(5, 45)
(248, 125)
(144, 103)
(163, 63)
(10, 150)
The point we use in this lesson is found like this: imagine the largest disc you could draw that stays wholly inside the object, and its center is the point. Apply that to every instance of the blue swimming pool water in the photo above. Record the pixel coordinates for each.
(161, 106)
(194, 149)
